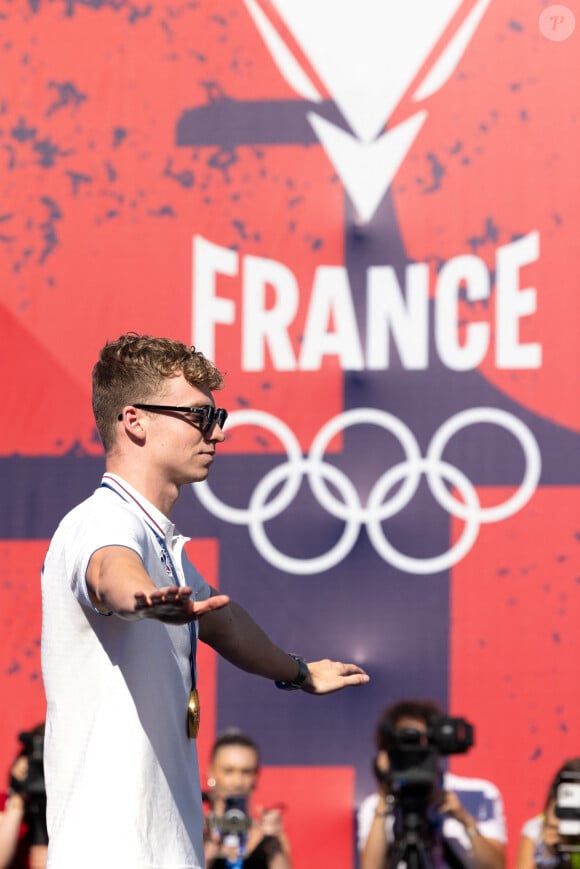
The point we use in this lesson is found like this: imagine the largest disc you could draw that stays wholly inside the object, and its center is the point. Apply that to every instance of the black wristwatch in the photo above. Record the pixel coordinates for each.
(300, 679)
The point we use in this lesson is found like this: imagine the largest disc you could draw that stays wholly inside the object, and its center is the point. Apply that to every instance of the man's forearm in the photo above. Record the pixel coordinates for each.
(233, 633)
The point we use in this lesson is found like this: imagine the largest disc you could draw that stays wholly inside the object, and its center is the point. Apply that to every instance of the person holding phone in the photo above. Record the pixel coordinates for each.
(234, 835)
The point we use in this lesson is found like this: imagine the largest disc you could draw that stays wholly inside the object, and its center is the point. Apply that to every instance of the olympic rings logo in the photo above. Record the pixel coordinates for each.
(380, 505)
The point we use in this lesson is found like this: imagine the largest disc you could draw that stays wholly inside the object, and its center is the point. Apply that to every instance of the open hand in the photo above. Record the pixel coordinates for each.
(328, 676)
(270, 821)
(173, 604)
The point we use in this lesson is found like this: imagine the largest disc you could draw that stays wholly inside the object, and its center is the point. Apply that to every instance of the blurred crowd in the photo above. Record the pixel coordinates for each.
(419, 816)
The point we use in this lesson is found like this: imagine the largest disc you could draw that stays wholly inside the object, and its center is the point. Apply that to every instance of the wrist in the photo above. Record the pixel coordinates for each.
(299, 680)
(471, 829)
(382, 807)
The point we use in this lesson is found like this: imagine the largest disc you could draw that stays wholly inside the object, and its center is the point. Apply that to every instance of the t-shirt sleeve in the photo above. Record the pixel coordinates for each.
(117, 527)
(533, 828)
(494, 827)
(483, 801)
(364, 819)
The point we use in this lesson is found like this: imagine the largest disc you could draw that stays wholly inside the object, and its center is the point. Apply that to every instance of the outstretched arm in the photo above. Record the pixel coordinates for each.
(233, 633)
(119, 583)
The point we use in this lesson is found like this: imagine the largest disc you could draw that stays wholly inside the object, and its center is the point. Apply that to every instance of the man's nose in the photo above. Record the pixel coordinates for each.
(217, 434)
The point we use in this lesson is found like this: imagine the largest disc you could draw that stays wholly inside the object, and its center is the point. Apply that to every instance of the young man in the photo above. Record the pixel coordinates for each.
(233, 775)
(122, 610)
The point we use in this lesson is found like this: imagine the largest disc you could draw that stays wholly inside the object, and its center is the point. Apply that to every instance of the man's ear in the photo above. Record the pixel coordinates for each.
(133, 423)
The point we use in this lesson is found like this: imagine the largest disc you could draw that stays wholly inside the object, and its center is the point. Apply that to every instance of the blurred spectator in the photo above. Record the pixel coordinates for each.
(233, 837)
(457, 819)
(540, 838)
(23, 837)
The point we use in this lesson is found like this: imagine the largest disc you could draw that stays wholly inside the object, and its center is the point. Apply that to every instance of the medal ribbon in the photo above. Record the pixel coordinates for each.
(193, 704)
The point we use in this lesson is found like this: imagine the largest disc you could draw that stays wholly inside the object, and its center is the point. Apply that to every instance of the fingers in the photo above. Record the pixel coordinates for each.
(328, 676)
(352, 670)
(20, 768)
(169, 594)
(173, 604)
(176, 593)
(271, 822)
(357, 679)
(340, 670)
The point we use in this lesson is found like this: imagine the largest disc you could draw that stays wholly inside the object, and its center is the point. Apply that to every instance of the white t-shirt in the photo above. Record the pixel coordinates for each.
(121, 775)
(482, 800)
(533, 828)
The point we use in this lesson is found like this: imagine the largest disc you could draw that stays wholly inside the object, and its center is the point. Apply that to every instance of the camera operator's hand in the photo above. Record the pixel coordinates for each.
(18, 775)
(451, 805)
(487, 853)
(381, 768)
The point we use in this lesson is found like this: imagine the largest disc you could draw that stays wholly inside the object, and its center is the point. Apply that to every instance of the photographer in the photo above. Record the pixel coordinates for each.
(232, 837)
(540, 840)
(23, 838)
(462, 816)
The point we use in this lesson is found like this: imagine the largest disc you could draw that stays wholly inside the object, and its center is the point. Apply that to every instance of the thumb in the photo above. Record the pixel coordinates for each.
(215, 602)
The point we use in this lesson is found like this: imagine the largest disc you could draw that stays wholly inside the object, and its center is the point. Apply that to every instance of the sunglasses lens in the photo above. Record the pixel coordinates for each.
(213, 416)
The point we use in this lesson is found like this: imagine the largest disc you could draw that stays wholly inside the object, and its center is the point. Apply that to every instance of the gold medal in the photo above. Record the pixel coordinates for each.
(193, 714)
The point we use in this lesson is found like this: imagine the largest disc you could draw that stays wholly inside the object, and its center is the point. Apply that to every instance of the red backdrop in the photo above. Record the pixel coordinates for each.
(372, 214)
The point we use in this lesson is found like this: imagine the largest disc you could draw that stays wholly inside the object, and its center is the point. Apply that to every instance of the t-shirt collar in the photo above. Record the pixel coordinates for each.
(164, 526)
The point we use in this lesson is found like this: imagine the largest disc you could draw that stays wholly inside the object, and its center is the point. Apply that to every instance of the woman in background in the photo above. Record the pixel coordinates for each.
(540, 837)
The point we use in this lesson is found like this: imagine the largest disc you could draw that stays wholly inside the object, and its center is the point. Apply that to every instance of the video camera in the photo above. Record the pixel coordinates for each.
(414, 754)
(414, 774)
(567, 811)
(32, 787)
(33, 750)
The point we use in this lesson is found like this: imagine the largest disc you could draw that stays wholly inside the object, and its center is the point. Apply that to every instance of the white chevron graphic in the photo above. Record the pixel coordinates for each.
(366, 53)
(358, 163)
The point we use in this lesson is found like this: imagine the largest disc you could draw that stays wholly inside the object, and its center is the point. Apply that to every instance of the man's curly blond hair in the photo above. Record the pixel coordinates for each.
(133, 368)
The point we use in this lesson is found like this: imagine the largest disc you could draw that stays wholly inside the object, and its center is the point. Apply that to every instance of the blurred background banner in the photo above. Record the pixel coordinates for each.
(367, 215)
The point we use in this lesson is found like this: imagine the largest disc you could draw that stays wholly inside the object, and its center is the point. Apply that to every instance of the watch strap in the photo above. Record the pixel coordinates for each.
(299, 680)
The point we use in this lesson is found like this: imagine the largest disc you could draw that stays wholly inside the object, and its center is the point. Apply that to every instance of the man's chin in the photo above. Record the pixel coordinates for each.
(200, 475)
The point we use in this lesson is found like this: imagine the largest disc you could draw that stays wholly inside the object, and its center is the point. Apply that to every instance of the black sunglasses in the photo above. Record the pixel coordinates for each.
(208, 415)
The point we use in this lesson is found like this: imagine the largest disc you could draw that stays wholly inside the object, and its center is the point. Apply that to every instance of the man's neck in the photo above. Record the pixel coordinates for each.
(162, 495)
